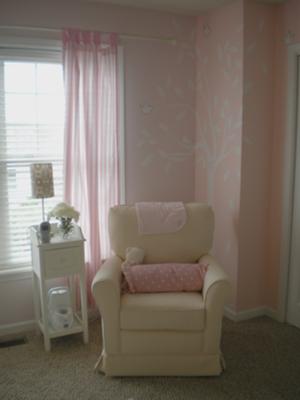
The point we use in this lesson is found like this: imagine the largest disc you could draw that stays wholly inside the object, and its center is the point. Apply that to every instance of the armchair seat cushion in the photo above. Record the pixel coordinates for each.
(162, 311)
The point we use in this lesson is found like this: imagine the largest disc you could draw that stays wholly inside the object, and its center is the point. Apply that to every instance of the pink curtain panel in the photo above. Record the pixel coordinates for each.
(91, 137)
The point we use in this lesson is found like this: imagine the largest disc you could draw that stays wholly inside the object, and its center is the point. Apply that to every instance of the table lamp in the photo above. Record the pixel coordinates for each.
(42, 182)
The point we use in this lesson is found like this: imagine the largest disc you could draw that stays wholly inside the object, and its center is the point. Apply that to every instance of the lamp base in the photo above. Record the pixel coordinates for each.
(45, 229)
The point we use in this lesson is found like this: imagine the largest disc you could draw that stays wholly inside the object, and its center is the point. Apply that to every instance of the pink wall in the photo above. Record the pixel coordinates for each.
(160, 104)
(259, 52)
(159, 92)
(219, 49)
(235, 78)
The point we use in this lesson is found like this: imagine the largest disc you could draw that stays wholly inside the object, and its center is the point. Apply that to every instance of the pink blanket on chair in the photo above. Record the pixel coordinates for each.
(159, 217)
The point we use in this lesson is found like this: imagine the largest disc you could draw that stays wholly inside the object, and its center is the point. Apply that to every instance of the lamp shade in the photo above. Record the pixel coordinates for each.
(42, 180)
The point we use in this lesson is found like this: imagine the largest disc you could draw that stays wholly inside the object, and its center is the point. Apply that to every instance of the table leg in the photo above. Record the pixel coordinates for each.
(36, 300)
(72, 286)
(44, 310)
(83, 300)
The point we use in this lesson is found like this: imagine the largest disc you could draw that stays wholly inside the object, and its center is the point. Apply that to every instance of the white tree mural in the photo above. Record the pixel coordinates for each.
(219, 120)
(167, 144)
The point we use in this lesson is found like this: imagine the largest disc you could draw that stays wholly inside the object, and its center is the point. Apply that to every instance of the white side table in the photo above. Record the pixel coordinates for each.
(59, 258)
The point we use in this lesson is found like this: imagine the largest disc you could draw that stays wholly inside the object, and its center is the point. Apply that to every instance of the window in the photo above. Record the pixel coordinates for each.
(31, 130)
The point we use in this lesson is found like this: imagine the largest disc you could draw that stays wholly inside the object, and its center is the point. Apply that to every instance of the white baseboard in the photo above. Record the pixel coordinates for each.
(19, 327)
(248, 314)
(271, 313)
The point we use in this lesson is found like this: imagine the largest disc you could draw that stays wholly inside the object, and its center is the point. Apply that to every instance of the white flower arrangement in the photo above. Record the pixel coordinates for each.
(63, 210)
(65, 214)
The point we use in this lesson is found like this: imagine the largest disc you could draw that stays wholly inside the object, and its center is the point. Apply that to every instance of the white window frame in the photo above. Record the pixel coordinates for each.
(18, 54)
(50, 49)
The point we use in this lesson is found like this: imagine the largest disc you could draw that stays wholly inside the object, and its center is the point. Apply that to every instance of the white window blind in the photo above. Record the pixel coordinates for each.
(31, 130)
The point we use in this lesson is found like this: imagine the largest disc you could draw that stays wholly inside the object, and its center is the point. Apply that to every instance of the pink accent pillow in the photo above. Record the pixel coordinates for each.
(154, 278)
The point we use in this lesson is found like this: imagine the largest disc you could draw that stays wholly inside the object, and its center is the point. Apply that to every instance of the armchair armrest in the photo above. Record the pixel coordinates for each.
(216, 290)
(214, 276)
(106, 289)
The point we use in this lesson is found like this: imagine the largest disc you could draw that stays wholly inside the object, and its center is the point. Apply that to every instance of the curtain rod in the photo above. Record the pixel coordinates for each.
(122, 35)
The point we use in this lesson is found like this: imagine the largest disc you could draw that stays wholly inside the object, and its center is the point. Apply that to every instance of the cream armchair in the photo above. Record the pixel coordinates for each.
(162, 333)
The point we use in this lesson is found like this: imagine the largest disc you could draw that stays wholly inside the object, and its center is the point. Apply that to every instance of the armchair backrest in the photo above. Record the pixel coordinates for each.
(187, 245)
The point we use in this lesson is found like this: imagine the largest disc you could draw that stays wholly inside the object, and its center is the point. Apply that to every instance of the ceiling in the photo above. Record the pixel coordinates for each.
(188, 7)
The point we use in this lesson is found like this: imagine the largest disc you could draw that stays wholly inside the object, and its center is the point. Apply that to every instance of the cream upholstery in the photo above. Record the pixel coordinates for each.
(186, 245)
(165, 333)
(162, 312)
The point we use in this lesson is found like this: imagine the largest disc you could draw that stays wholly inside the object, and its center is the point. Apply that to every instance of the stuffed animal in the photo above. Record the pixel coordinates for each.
(134, 255)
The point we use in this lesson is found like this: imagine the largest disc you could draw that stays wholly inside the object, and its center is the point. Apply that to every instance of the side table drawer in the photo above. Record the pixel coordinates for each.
(60, 262)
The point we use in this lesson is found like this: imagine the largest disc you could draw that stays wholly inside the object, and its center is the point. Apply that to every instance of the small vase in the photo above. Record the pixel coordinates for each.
(66, 227)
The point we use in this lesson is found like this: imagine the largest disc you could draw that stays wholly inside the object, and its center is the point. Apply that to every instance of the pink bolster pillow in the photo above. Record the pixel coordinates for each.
(154, 278)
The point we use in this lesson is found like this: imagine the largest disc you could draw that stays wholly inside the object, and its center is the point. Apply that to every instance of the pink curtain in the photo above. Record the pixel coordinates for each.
(91, 140)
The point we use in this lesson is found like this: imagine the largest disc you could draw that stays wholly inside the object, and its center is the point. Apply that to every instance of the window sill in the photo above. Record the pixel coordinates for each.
(15, 274)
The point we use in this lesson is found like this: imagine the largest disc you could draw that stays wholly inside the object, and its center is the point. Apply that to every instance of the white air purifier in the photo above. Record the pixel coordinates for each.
(60, 310)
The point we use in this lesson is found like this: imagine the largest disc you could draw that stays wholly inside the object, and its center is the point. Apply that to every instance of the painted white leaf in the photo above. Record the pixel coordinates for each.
(168, 168)
(265, 69)
(220, 53)
(247, 140)
(180, 57)
(190, 84)
(290, 37)
(180, 116)
(250, 48)
(146, 108)
(162, 126)
(228, 248)
(229, 61)
(178, 157)
(145, 133)
(148, 160)
(161, 92)
(162, 153)
(248, 87)
(229, 121)
(206, 30)
(175, 23)
(234, 49)
(226, 74)
(239, 28)
(231, 204)
(185, 139)
(237, 124)
(235, 82)
(238, 63)
(200, 86)
(178, 91)
(226, 176)
(261, 25)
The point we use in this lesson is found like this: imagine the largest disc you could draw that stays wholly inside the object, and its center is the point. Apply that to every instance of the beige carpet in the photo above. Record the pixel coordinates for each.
(262, 356)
